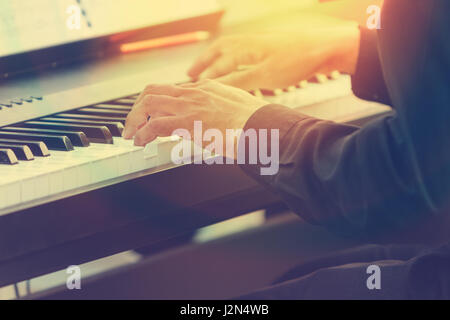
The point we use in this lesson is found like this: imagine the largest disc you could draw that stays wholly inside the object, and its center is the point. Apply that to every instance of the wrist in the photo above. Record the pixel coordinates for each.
(348, 52)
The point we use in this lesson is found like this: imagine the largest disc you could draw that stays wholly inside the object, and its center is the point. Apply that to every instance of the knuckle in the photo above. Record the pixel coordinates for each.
(149, 87)
(148, 98)
(197, 91)
(206, 84)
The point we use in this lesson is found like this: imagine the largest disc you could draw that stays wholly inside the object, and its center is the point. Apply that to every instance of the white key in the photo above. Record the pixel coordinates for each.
(64, 171)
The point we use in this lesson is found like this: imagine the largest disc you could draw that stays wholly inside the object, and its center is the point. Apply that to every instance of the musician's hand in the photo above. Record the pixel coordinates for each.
(174, 107)
(282, 59)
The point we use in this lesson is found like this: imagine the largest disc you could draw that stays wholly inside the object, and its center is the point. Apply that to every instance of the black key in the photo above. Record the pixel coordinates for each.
(112, 107)
(17, 101)
(61, 143)
(22, 152)
(115, 128)
(38, 148)
(97, 134)
(7, 104)
(100, 112)
(78, 139)
(123, 102)
(319, 78)
(267, 92)
(7, 156)
(88, 117)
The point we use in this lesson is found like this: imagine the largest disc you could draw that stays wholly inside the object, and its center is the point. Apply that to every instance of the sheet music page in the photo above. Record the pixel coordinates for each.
(134, 14)
(33, 24)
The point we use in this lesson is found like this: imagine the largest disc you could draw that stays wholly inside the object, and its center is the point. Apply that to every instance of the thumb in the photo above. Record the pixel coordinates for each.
(222, 66)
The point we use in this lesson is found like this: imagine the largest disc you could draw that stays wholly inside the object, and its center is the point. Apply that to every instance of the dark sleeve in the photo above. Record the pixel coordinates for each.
(368, 81)
(391, 173)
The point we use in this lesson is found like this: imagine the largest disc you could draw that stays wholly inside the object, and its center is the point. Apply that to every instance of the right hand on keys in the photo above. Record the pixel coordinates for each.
(279, 60)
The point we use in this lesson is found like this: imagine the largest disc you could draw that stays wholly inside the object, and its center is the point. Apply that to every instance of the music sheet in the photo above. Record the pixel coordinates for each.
(32, 24)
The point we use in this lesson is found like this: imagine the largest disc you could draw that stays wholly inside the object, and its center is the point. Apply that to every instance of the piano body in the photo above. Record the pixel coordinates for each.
(72, 190)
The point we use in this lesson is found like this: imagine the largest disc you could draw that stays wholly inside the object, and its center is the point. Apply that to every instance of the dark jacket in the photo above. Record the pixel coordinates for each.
(391, 178)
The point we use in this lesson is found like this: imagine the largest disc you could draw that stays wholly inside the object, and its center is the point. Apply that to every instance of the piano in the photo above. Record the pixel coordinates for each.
(45, 155)
(72, 190)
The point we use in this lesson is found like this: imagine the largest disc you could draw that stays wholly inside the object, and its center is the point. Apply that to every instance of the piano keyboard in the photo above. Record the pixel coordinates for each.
(319, 89)
(73, 149)
(62, 152)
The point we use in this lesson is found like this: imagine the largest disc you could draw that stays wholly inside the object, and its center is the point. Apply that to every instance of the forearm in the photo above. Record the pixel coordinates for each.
(355, 10)
(344, 56)
(354, 51)
(367, 79)
(348, 179)
(335, 44)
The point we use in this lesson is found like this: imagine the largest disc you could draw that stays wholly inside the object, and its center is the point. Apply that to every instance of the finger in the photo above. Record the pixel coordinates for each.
(220, 67)
(136, 119)
(204, 61)
(150, 106)
(160, 104)
(160, 127)
(161, 114)
(162, 89)
(219, 89)
(249, 79)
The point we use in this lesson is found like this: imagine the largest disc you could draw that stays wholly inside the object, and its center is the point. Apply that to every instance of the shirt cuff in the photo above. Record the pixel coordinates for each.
(270, 117)
(274, 116)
